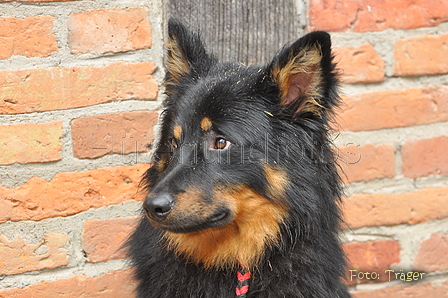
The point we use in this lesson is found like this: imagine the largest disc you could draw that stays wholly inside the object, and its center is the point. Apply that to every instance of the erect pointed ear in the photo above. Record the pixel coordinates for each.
(186, 54)
(305, 75)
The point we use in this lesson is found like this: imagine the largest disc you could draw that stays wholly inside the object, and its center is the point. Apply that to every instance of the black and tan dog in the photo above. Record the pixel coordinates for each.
(243, 195)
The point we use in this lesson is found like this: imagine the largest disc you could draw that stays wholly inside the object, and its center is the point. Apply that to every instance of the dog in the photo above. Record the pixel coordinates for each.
(243, 195)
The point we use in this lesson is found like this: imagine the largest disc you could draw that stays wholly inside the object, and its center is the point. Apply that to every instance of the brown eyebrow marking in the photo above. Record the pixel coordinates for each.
(177, 131)
(206, 123)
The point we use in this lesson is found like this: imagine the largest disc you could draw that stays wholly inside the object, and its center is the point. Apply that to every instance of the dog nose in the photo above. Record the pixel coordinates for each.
(157, 207)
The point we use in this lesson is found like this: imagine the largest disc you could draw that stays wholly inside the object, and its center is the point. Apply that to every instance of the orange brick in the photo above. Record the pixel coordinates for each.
(109, 30)
(432, 254)
(70, 193)
(395, 108)
(425, 157)
(424, 290)
(30, 143)
(360, 64)
(103, 239)
(17, 256)
(373, 257)
(30, 37)
(361, 210)
(367, 162)
(115, 284)
(375, 15)
(120, 133)
(425, 55)
(36, 90)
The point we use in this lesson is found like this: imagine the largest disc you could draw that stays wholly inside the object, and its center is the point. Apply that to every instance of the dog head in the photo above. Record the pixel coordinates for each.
(234, 140)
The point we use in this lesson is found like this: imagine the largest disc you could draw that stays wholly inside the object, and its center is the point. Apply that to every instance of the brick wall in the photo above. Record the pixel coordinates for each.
(78, 104)
(393, 142)
(79, 86)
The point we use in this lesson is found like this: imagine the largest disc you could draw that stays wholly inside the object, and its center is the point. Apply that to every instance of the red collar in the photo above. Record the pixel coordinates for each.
(243, 275)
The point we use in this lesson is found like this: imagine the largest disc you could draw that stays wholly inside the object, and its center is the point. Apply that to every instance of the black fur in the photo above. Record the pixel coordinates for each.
(244, 105)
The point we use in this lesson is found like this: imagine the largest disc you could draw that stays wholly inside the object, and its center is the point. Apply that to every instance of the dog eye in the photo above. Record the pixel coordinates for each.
(221, 144)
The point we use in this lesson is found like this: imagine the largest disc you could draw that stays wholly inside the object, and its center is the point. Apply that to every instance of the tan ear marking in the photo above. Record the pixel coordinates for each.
(299, 79)
(176, 64)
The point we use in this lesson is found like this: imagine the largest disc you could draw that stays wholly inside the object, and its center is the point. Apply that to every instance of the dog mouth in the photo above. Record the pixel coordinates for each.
(219, 218)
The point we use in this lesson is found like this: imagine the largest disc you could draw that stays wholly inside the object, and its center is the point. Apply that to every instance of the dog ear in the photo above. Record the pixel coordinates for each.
(305, 75)
(186, 54)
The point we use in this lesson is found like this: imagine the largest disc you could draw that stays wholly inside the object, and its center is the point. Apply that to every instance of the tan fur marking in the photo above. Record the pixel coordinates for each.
(177, 132)
(206, 124)
(255, 226)
(277, 180)
(190, 203)
(301, 76)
